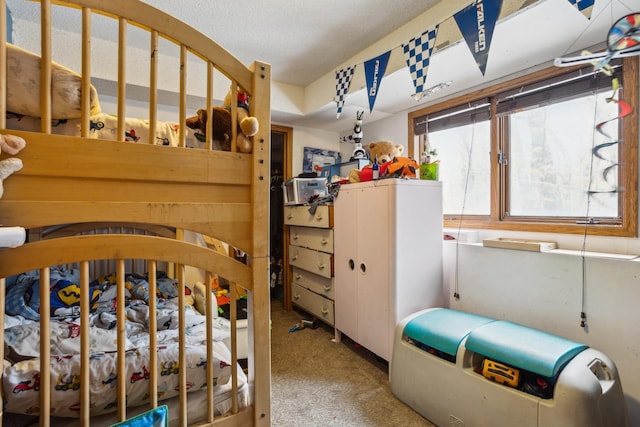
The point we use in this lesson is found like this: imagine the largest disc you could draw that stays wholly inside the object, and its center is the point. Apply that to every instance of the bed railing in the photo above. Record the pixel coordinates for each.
(227, 196)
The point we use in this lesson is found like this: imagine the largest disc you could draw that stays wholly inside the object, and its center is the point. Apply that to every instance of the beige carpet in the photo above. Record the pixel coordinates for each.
(316, 382)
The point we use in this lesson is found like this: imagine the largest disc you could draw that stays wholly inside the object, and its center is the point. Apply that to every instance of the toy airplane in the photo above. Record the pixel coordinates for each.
(623, 40)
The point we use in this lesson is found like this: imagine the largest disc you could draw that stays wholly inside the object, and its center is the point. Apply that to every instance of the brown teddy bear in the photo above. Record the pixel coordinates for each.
(384, 151)
(247, 125)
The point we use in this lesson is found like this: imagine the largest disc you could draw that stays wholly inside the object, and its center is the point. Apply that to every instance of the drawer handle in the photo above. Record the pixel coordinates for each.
(295, 237)
(327, 288)
(290, 216)
(324, 241)
(294, 257)
(318, 217)
(363, 267)
(324, 311)
(352, 264)
(298, 276)
(296, 296)
(320, 266)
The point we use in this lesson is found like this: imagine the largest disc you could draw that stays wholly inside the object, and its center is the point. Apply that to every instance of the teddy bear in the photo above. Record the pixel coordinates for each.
(10, 144)
(247, 125)
(384, 151)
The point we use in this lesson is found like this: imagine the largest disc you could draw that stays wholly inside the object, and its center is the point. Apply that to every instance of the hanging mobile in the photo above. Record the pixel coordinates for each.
(623, 40)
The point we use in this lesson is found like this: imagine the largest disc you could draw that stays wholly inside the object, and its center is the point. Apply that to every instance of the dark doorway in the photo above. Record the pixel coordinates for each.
(281, 140)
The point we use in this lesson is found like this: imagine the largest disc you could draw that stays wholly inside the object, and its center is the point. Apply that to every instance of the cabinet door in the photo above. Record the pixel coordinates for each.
(373, 268)
(344, 234)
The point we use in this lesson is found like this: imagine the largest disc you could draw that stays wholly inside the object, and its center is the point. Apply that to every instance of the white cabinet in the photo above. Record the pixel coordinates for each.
(311, 246)
(388, 257)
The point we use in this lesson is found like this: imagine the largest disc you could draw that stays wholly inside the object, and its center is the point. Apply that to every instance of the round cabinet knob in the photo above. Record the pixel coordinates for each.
(324, 311)
(320, 266)
(296, 296)
(324, 241)
(289, 216)
(319, 217)
(298, 276)
(295, 237)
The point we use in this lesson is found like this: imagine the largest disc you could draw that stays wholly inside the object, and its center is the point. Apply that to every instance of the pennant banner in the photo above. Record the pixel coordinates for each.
(374, 70)
(477, 22)
(417, 53)
(343, 80)
(584, 6)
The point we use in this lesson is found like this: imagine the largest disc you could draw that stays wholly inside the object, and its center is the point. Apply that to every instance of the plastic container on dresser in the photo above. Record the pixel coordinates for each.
(388, 257)
(311, 259)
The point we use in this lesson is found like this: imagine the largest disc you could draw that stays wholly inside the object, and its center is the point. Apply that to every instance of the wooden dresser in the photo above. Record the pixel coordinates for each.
(311, 259)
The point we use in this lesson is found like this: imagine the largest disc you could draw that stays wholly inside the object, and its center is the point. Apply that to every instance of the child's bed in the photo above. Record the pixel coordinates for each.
(147, 334)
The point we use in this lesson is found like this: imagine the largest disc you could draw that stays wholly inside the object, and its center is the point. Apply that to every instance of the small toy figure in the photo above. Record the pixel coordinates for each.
(358, 152)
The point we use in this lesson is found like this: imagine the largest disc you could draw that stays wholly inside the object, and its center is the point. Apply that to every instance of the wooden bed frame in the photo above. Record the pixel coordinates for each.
(71, 180)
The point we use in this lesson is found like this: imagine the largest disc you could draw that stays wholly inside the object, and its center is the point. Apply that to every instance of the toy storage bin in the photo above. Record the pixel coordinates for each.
(448, 390)
(298, 191)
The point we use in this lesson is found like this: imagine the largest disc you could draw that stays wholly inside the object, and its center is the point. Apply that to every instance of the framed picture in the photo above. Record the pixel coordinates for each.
(315, 159)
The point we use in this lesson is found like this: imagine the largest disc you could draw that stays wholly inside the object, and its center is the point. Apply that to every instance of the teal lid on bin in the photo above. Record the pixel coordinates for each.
(523, 347)
(443, 329)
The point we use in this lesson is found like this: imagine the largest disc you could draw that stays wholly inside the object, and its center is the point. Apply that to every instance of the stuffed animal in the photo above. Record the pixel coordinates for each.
(247, 125)
(384, 151)
(10, 144)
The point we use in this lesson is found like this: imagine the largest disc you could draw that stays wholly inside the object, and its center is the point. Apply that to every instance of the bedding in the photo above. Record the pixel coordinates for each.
(23, 87)
(104, 126)
(22, 340)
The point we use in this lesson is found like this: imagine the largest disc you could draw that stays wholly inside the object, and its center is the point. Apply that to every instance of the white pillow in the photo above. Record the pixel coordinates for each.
(23, 87)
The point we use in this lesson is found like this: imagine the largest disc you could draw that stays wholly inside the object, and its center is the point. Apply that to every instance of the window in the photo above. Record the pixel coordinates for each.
(527, 154)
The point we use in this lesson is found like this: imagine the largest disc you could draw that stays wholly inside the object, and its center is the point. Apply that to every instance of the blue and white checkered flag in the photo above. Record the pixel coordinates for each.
(584, 6)
(343, 80)
(417, 53)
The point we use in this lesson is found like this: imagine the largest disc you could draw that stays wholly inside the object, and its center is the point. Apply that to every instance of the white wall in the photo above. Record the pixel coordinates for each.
(316, 138)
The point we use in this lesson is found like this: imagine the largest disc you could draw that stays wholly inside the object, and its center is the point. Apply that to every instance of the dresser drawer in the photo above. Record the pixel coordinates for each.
(300, 215)
(319, 306)
(319, 239)
(314, 261)
(318, 284)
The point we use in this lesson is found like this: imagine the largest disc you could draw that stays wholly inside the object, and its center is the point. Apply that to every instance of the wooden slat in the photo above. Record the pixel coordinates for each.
(210, 368)
(3, 75)
(182, 353)
(259, 292)
(85, 339)
(209, 105)
(45, 66)
(153, 85)
(153, 336)
(89, 158)
(122, 77)
(122, 336)
(85, 106)
(45, 348)
(211, 219)
(183, 96)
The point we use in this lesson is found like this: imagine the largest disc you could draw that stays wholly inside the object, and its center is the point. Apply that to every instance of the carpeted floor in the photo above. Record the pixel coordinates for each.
(316, 382)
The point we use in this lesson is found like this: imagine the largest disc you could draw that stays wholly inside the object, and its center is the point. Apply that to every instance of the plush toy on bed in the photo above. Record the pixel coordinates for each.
(10, 144)
(384, 151)
(247, 125)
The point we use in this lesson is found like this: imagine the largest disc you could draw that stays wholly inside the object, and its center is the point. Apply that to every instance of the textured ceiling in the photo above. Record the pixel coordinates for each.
(302, 39)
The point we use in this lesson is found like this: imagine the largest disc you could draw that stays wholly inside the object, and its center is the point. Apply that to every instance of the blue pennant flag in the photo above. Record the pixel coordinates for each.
(476, 22)
(374, 70)
(584, 6)
(417, 54)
